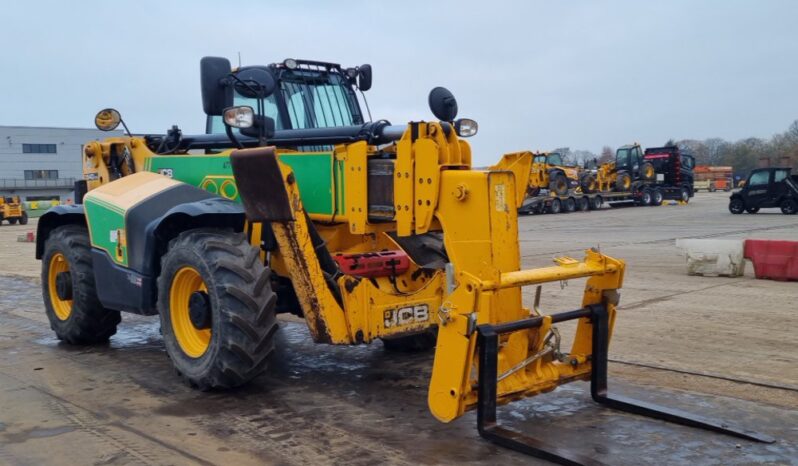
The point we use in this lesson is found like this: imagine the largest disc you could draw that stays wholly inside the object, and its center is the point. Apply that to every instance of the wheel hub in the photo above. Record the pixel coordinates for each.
(199, 310)
(63, 286)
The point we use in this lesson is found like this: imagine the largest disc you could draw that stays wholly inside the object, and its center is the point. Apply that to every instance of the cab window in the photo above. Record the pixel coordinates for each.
(759, 179)
(555, 159)
(780, 175)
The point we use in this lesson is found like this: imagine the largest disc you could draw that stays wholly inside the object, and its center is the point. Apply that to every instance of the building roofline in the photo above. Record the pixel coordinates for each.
(57, 127)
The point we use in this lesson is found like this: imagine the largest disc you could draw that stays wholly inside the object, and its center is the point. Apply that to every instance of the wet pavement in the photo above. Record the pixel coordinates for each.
(121, 403)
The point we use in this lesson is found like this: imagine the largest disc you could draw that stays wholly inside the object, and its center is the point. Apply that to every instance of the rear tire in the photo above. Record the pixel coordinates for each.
(24, 219)
(556, 206)
(736, 206)
(647, 171)
(12, 221)
(417, 342)
(596, 203)
(583, 204)
(570, 205)
(81, 319)
(657, 197)
(217, 308)
(789, 207)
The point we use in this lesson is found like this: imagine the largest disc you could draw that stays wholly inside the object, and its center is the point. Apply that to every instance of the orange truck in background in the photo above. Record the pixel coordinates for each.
(712, 178)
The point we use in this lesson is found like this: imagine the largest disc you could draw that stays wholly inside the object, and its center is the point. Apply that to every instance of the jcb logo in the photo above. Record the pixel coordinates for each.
(406, 315)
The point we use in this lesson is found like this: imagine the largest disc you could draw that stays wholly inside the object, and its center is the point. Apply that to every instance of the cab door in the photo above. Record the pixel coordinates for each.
(757, 186)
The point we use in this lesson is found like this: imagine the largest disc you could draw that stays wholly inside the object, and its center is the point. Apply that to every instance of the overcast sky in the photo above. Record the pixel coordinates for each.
(535, 75)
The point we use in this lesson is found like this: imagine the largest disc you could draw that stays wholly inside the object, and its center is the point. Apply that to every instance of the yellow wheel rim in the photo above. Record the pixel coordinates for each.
(61, 307)
(193, 341)
(649, 172)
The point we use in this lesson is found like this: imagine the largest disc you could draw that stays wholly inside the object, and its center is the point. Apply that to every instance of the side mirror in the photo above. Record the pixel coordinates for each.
(107, 119)
(217, 94)
(254, 83)
(443, 104)
(364, 77)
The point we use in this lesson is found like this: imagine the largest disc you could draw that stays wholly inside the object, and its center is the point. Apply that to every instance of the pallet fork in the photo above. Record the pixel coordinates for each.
(487, 424)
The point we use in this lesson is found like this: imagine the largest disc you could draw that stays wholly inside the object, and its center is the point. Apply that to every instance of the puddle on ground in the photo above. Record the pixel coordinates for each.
(37, 433)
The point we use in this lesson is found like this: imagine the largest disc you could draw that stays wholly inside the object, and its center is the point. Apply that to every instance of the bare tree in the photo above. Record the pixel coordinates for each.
(607, 155)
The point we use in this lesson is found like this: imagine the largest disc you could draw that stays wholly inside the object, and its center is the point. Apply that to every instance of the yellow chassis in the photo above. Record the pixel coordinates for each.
(476, 211)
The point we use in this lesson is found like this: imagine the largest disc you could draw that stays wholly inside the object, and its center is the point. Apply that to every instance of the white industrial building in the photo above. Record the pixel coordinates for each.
(42, 163)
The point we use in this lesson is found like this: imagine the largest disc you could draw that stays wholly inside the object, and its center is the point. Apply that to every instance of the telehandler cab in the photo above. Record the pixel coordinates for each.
(367, 230)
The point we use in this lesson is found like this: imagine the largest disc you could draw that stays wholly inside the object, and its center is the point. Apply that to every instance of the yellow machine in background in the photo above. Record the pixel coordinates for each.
(368, 231)
(546, 170)
(12, 210)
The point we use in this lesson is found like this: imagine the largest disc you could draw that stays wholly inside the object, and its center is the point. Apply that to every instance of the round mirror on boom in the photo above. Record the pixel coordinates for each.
(255, 82)
(443, 104)
(107, 119)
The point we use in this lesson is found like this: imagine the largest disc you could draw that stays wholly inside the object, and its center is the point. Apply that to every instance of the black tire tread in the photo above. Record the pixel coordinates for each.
(244, 337)
(89, 322)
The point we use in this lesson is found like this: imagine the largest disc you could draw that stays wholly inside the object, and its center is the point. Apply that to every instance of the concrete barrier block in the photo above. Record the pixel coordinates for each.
(713, 256)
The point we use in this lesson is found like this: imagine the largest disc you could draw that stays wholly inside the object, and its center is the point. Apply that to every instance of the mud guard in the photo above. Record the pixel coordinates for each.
(54, 218)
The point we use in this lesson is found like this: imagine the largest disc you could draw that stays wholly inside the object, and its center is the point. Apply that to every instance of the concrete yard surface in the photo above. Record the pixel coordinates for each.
(715, 346)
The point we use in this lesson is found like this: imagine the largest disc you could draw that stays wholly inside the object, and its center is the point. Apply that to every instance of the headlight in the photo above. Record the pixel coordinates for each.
(466, 127)
(239, 117)
(290, 63)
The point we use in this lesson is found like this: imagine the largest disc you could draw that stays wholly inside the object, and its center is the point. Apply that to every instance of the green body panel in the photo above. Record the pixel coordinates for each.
(319, 176)
(314, 175)
(106, 221)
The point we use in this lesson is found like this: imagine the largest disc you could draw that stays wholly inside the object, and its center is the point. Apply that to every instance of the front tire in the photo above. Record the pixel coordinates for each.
(69, 290)
(684, 194)
(623, 182)
(736, 206)
(558, 184)
(217, 308)
(24, 219)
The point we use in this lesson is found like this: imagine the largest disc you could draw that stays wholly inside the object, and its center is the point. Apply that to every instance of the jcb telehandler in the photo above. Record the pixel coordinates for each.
(368, 230)
(12, 210)
(546, 171)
